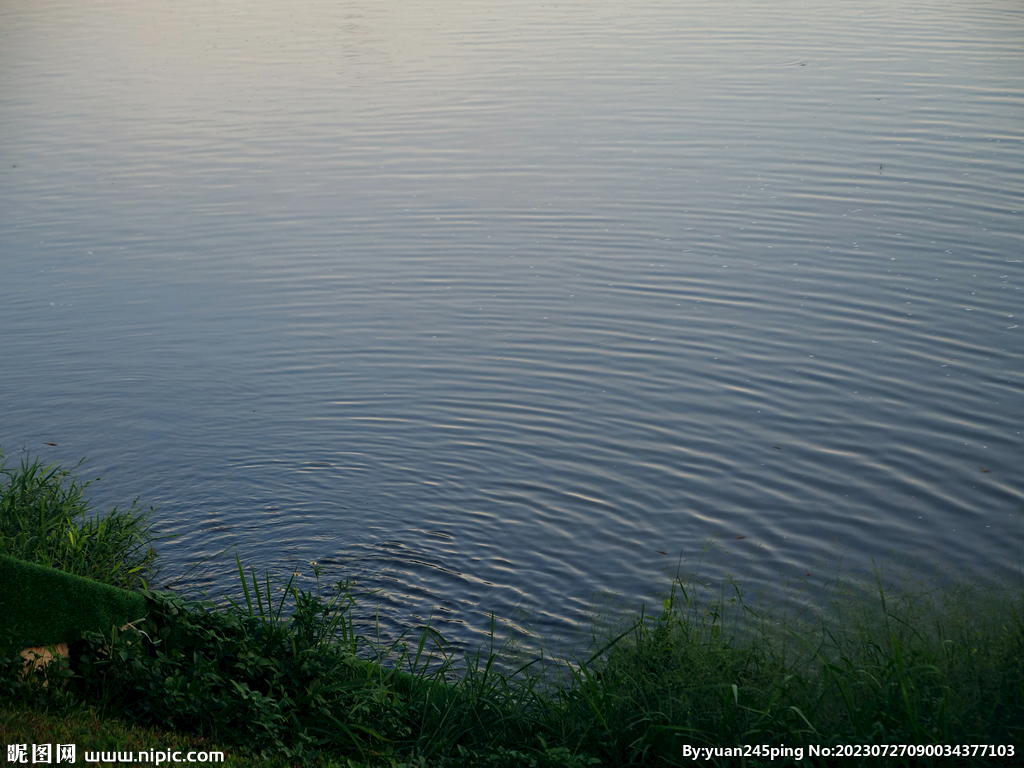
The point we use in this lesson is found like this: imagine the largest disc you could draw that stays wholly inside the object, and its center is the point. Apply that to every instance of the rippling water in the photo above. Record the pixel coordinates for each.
(498, 306)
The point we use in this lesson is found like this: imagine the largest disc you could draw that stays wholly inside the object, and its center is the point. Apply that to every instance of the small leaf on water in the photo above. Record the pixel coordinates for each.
(986, 470)
(741, 537)
(661, 551)
(53, 444)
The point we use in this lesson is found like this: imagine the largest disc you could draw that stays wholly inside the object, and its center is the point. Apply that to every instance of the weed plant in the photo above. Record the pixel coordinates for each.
(45, 518)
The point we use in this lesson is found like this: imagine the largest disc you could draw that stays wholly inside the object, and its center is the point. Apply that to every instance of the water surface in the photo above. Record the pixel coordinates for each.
(501, 306)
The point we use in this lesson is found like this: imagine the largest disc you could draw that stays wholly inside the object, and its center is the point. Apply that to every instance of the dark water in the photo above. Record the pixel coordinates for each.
(492, 304)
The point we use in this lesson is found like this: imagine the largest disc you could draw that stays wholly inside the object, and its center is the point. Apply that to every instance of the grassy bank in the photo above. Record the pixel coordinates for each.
(45, 518)
(282, 677)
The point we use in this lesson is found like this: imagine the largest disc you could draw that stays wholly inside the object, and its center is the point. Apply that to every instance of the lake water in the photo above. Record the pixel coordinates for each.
(501, 306)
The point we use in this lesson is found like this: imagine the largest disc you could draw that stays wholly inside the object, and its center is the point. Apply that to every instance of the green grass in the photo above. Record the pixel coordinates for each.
(281, 676)
(873, 667)
(90, 732)
(290, 680)
(45, 519)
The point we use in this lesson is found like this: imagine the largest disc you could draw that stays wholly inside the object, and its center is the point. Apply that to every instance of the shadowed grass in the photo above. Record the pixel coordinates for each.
(89, 732)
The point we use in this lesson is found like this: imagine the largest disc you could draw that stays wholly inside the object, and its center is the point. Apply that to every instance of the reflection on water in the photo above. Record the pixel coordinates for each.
(502, 306)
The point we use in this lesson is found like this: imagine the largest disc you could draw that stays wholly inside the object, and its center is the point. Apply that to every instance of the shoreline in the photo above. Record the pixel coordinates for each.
(280, 675)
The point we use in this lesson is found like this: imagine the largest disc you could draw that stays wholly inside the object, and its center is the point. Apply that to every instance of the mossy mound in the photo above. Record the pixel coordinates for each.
(43, 606)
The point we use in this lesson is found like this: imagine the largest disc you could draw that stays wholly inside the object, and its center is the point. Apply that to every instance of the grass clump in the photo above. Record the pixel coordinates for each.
(45, 519)
(877, 665)
(917, 664)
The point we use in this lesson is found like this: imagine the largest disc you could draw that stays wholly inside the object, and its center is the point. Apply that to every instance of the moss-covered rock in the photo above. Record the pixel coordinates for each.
(43, 606)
